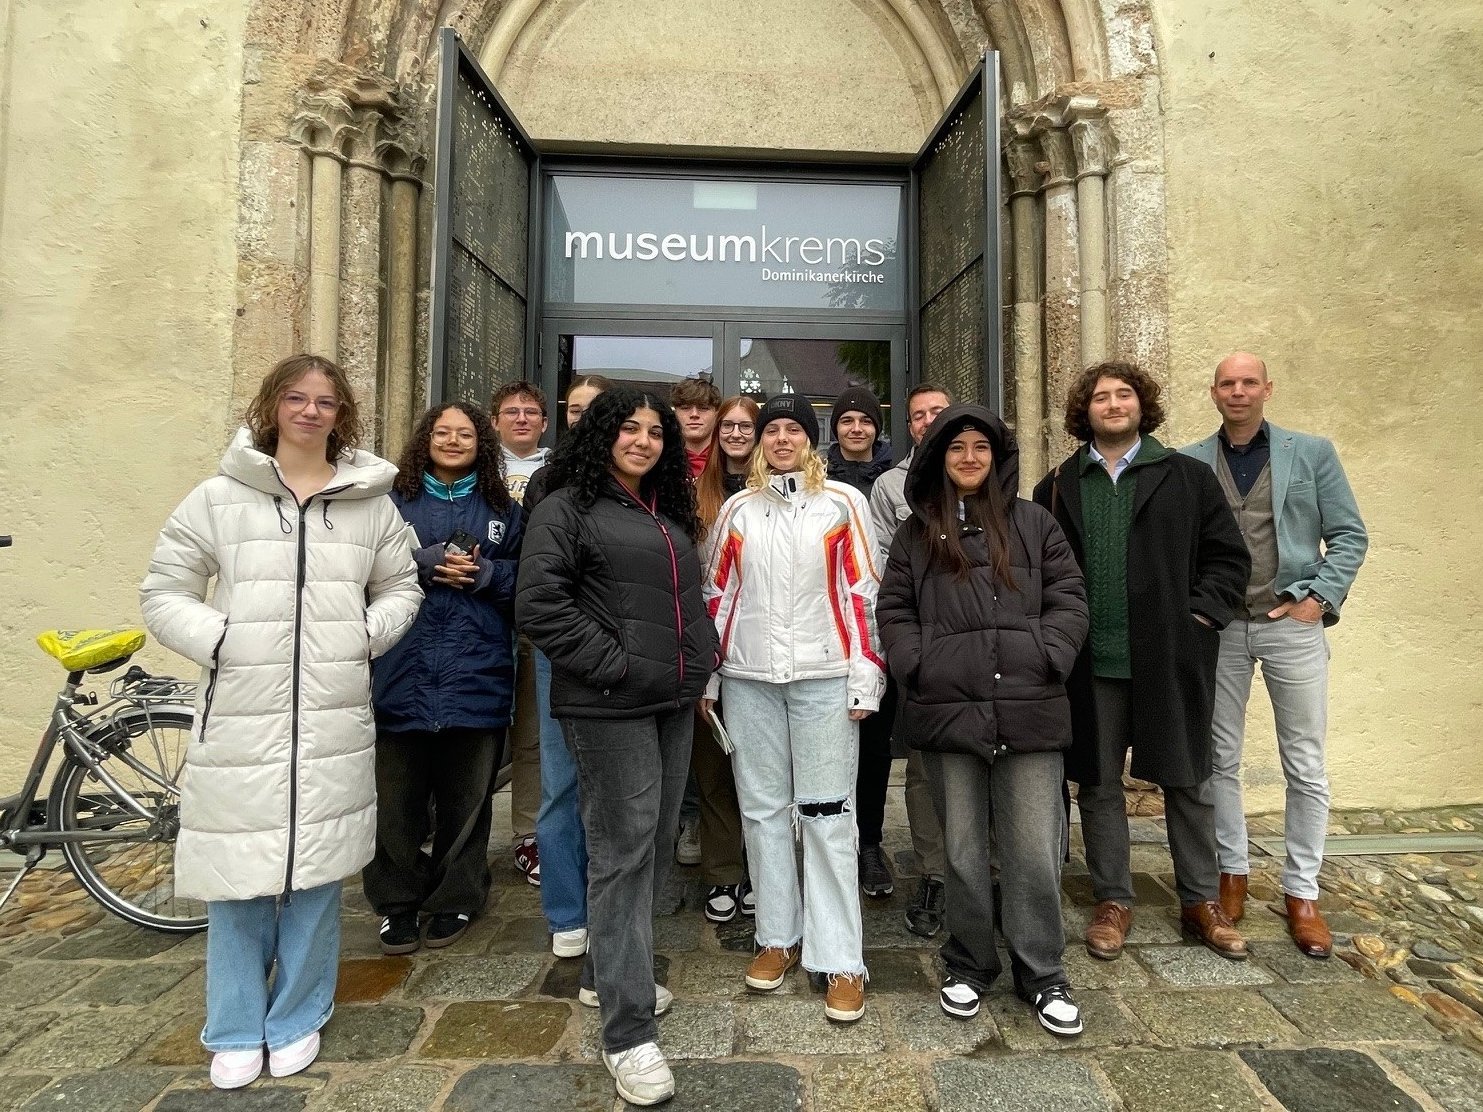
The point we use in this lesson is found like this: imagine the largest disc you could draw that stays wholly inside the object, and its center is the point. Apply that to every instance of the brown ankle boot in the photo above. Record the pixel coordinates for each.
(1110, 924)
(1305, 924)
(1207, 923)
(1233, 895)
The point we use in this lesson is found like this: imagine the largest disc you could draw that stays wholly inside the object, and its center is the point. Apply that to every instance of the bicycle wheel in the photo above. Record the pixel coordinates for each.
(129, 867)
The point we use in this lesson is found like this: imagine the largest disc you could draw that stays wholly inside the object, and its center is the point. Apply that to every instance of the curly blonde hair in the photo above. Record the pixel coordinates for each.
(814, 469)
(261, 417)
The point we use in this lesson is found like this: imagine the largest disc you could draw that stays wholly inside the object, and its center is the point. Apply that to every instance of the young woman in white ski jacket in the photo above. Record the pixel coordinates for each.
(313, 577)
(791, 584)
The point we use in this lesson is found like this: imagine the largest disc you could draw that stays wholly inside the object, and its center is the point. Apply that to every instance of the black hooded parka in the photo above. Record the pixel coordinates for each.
(981, 664)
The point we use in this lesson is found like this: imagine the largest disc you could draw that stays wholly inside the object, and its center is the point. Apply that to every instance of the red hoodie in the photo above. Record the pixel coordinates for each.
(697, 462)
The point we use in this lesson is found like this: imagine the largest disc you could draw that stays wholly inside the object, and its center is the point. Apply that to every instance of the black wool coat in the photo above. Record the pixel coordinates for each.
(981, 665)
(1185, 556)
(611, 594)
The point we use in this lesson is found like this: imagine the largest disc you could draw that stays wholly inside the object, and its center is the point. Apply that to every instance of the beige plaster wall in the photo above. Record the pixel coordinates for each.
(119, 128)
(1324, 202)
(825, 75)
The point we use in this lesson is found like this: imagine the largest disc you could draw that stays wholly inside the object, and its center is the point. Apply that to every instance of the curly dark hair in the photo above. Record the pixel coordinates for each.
(1079, 397)
(488, 463)
(583, 462)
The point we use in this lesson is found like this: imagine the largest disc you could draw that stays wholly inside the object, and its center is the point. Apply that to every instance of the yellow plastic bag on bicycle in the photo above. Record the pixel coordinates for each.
(81, 649)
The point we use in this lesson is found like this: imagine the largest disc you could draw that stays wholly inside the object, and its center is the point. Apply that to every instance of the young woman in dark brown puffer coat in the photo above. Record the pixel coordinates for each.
(982, 612)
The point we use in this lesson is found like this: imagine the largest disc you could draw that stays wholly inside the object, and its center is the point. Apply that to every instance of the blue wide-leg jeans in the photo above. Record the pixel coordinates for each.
(559, 829)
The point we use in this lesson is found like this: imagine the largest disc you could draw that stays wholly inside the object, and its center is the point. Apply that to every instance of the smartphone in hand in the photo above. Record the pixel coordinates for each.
(462, 543)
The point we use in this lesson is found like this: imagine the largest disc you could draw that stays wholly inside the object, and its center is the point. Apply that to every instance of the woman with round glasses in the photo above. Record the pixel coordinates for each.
(443, 695)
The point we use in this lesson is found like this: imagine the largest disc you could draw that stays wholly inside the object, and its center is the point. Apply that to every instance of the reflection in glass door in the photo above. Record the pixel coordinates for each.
(655, 363)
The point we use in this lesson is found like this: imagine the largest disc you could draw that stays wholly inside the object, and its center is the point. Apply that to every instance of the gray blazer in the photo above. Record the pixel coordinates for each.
(1321, 540)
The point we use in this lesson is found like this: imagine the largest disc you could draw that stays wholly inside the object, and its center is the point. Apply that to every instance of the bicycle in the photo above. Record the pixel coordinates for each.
(113, 808)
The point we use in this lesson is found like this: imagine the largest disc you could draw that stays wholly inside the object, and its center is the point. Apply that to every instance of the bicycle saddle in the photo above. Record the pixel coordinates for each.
(86, 650)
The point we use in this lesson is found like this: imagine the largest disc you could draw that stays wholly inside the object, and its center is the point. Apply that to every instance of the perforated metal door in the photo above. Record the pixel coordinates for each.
(955, 184)
(485, 192)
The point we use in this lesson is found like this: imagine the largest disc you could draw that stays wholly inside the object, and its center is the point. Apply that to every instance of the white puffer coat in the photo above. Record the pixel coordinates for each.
(279, 787)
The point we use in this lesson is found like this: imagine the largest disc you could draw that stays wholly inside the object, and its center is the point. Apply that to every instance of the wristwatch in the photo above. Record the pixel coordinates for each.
(1323, 604)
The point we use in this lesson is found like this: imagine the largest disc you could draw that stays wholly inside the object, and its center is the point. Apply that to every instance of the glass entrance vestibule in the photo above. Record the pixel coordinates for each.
(790, 275)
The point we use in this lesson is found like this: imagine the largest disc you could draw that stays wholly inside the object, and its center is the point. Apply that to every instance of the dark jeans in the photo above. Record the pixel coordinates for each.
(1104, 820)
(632, 774)
(1011, 808)
(874, 772)
(454, 771)
(721, 859)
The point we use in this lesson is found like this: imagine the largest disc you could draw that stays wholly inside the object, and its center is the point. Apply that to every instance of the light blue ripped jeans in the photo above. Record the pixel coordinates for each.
(796, 748)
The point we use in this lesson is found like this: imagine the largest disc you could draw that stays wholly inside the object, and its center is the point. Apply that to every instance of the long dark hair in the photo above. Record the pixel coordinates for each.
(986, 509)
(487, 461)
(583, 463)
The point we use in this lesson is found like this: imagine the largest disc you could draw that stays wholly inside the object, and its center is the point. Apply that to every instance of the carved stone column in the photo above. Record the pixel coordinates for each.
(1025, 175)
(1062, 303)
(404, 167)
(1092, 142)
(323, 126)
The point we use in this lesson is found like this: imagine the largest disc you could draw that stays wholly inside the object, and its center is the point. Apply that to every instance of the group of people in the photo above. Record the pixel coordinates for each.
(694, 599)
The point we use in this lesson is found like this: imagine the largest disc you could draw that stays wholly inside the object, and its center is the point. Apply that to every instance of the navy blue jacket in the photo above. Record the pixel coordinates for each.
(456, 665)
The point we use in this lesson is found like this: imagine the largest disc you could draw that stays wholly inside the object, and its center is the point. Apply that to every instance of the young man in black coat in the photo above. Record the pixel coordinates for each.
(1165, 569)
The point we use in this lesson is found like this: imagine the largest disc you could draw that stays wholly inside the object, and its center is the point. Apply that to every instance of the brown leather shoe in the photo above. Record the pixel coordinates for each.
(1233, 895)
(1207, 923)
(1305, 924)
(771, 965)
(845, 998)
(1110, 924)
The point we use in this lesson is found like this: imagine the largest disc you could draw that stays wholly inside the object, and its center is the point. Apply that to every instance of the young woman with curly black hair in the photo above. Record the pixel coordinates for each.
(609, 590)
(443, 695)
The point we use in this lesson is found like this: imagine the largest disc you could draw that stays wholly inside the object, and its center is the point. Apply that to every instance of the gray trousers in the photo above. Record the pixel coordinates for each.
(1295, 667)
(1104, 822)
(631, 774)
(921, 817)
(1009, 808)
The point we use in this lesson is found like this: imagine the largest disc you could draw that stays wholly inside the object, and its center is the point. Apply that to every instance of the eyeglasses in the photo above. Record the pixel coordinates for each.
(532, 413)
(737, 426)
(295, 400)
(462, 436)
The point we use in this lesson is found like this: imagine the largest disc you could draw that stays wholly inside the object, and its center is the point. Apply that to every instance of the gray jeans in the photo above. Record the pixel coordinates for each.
(1013, 807)
(631, 773)
(1104, 822)
(1295, 666)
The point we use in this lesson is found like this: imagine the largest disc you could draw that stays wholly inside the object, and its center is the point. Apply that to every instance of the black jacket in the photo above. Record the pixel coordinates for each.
(1185, 556)
(860, 474)
(611, 594)
(981, 665)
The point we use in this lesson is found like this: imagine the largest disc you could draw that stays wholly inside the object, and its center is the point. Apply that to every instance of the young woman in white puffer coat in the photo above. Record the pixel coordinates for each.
(313, 577)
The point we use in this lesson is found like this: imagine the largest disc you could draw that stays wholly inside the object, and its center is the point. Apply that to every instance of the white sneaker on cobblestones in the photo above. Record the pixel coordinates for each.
(687, 845)
(569, 944)
(641, 1073)
(295, 1057)
(663, 999)
(1057, 1012)
(232, 1069)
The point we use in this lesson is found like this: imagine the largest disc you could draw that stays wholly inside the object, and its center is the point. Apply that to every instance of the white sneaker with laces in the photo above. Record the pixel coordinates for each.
(958, 998)
(687, 845)
(641, 1073)
(294, 1057)
(569, 944)
(663, 999)
(232, 1069)
(1057, 1012)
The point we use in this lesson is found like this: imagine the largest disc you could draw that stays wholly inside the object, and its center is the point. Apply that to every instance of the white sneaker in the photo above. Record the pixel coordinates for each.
(232, 1069)
(295, 1056)
(663, 999)
(958, 998)
(1057, 1012)
(687, 845)
(569, 944)
(641, 1073)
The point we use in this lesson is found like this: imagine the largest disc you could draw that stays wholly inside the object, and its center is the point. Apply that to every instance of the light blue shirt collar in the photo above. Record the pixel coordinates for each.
(1121, 465)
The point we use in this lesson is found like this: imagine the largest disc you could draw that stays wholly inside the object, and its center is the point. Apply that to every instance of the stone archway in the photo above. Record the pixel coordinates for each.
(337, 123)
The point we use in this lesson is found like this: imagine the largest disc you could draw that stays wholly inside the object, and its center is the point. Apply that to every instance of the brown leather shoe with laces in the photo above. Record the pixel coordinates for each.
(1233, 895)
(845, 998)
(1305, 924)
(1110, 924)
(1207, 923)
(771, 965)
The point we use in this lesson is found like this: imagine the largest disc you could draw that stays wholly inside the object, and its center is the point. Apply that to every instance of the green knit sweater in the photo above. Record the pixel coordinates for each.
(1107, 516)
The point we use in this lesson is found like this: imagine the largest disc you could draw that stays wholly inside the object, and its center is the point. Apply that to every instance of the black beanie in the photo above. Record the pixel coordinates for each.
(793, 406)
(856, 399)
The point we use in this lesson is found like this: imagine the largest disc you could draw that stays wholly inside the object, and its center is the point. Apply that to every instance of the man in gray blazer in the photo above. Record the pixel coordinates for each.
(1306, 539)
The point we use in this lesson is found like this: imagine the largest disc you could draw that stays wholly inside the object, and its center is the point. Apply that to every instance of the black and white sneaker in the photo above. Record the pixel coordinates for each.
(721, 903)
(1056, 1011)
(875, 874)
(446, 928)
(399, 933)
(958, 998)
(748, 900)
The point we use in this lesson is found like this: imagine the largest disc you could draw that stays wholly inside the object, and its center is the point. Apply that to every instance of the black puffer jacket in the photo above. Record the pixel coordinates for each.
(982, 666)
(611, 594)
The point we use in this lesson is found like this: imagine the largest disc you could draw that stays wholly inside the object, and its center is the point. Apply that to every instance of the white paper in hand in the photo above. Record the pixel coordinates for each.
(723, 739)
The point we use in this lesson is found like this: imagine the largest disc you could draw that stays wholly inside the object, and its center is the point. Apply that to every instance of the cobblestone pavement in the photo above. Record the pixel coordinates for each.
(106, 1017)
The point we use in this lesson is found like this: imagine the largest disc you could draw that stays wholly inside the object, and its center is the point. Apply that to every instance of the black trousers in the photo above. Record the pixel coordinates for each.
(874, 771)
(453, 771)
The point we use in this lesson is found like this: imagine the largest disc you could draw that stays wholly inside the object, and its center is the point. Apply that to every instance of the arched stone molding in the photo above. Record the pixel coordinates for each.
(1083, 156)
